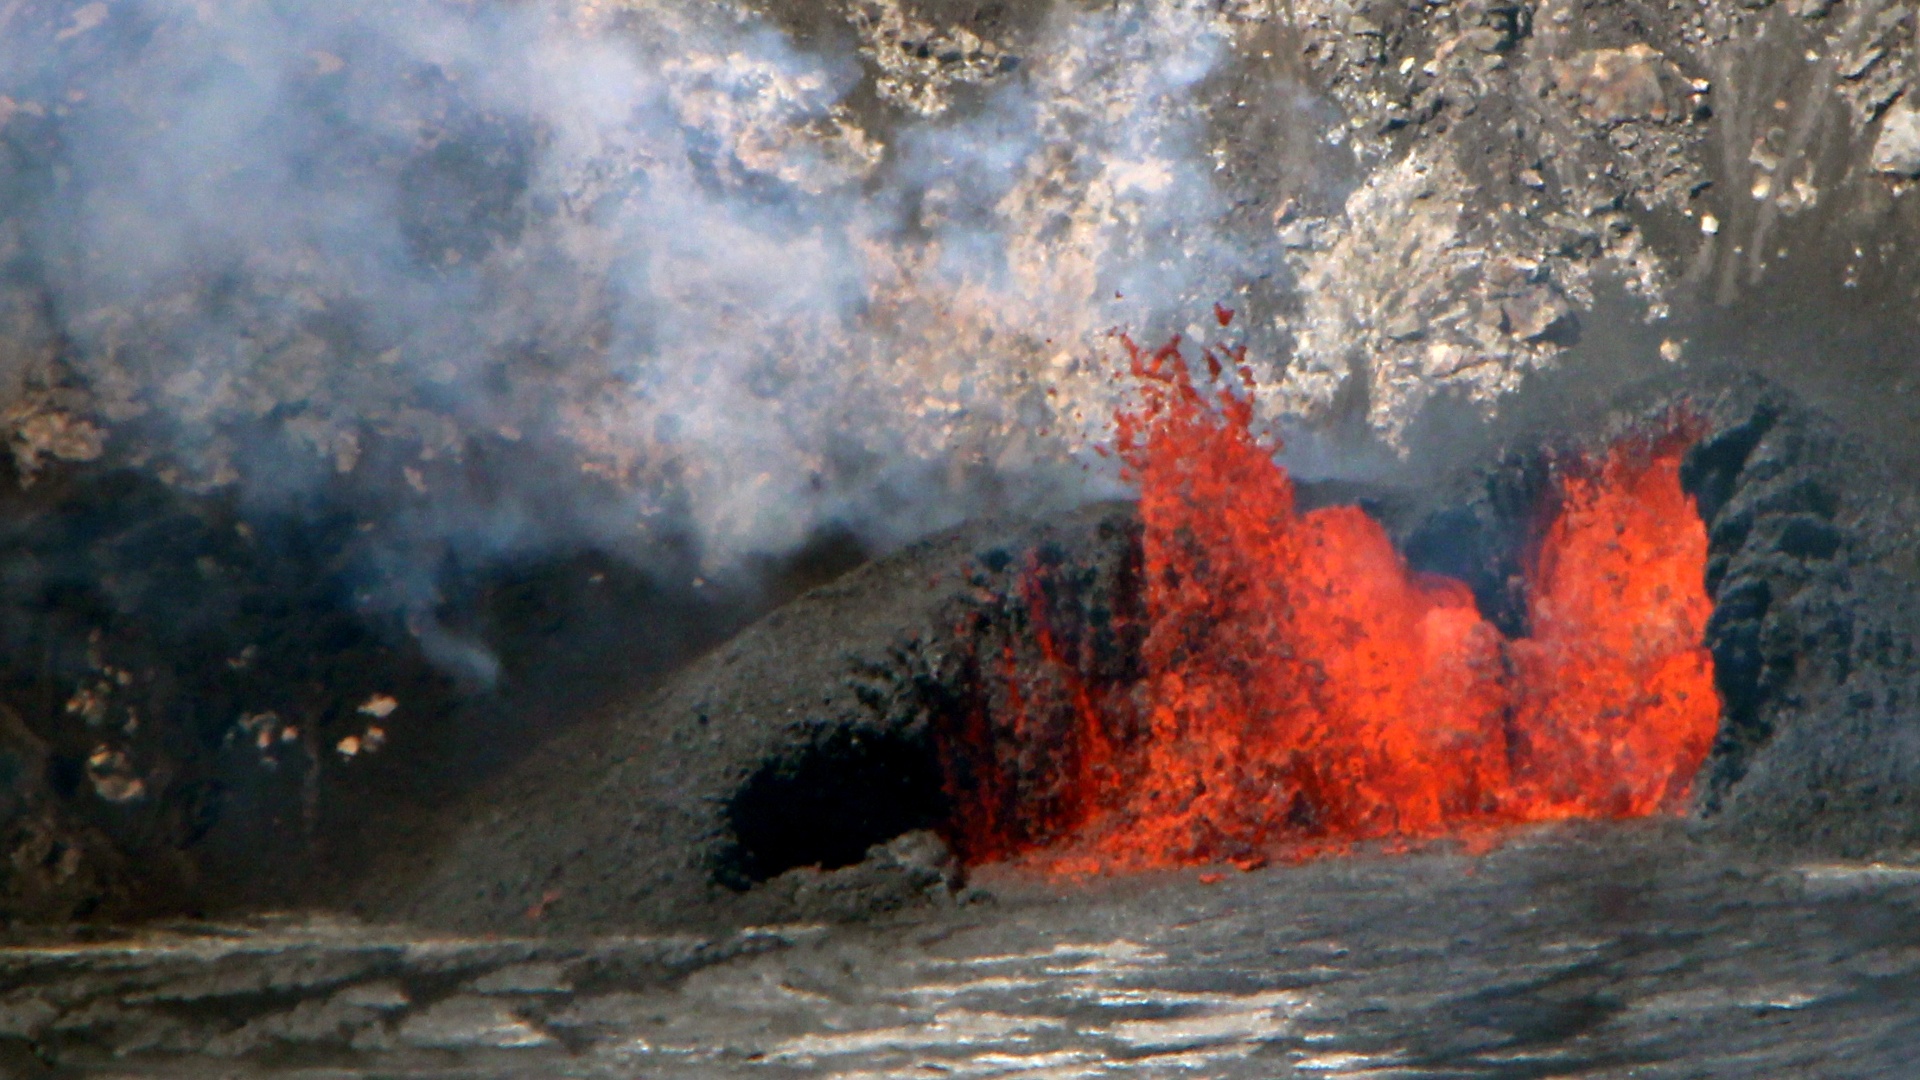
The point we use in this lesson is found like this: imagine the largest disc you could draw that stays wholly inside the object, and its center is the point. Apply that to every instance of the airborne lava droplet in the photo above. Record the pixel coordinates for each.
(1303, 689)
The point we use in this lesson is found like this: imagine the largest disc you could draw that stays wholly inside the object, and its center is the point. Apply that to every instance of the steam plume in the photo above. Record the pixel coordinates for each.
(506, 277)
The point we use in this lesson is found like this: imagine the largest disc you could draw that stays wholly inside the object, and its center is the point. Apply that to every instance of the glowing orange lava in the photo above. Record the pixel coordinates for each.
(1303, 689)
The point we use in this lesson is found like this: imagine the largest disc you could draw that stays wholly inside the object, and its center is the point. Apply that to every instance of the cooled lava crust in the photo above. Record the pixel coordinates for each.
(791, 773)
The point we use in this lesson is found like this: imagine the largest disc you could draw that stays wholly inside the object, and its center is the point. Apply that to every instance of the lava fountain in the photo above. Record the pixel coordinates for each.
(1302, 689)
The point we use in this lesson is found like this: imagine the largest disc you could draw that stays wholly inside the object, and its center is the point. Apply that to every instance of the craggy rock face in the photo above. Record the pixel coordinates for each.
(922, 216)
(413, 326)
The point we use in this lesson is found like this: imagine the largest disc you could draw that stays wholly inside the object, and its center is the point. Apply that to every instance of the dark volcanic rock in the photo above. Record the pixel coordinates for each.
(56, 867)
(182, 678)
(804, 742)
(1817, 606)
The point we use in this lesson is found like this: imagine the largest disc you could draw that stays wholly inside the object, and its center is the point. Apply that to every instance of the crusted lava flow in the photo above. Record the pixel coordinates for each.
(1301, 688)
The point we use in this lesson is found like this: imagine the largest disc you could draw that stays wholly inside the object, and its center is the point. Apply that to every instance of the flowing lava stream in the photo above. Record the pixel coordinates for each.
(1304, 690)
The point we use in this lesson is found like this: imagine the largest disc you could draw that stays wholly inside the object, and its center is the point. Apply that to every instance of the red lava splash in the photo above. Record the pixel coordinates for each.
(1304, 690)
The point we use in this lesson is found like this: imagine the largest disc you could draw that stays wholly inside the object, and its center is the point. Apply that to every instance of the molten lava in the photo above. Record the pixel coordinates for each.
(1302, 688)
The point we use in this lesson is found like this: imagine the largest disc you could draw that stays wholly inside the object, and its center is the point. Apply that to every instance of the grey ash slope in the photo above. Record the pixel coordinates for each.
(636, 817)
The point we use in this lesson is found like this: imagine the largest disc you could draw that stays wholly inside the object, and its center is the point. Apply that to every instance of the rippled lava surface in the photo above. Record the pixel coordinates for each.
(1575, 951)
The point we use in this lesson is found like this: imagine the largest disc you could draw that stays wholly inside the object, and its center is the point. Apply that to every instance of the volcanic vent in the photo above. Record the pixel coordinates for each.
(1297, 682)
(1684, 607)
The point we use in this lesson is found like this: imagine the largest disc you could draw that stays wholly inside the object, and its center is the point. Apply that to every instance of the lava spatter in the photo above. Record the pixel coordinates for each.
(1305, 689)
(1615, 706)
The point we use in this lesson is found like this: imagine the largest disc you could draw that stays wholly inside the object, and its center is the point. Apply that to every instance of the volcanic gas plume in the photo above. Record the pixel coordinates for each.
(1301, 686)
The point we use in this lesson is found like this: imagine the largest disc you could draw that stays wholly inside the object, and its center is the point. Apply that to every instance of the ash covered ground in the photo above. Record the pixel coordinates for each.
(402, 397)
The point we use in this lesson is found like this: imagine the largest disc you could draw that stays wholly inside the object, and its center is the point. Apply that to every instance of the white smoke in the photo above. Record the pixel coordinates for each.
(521, 275)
